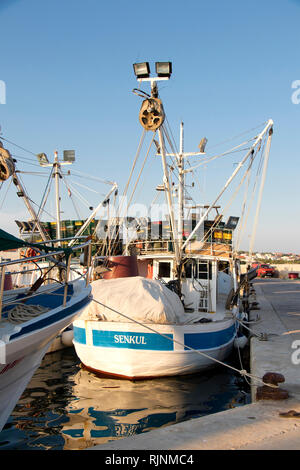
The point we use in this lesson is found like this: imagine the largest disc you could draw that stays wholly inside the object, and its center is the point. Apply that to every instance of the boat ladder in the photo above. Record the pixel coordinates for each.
(203, 268)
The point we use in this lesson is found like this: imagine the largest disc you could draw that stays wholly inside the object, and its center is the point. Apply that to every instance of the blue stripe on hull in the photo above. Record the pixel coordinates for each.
(153, 341)
(79, 335)
(209, 340)
(51, 319)
(132, 340)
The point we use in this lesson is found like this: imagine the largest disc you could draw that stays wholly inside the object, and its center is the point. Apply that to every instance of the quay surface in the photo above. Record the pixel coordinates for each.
(259, 425)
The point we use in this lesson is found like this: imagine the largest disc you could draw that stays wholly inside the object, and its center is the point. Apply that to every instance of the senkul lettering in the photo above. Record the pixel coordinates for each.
(130, 339)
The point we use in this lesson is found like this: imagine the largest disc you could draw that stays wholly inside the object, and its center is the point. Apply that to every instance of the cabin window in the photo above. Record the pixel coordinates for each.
(188, 270)
(223, 266)
(164, 269)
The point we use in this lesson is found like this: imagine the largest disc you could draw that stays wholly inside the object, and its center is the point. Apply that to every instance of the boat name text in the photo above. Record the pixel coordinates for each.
(129, 339)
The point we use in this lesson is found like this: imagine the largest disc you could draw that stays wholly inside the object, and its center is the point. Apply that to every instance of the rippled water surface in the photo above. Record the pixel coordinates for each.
(67, 407)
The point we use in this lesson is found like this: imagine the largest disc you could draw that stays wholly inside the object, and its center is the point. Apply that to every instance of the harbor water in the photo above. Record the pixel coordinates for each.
(66, 407)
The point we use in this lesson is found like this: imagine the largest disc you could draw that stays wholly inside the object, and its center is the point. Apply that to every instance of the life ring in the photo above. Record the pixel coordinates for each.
(29, 253)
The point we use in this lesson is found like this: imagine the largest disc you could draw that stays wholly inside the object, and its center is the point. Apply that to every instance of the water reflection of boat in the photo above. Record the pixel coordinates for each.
(65, 407)
(110, 409)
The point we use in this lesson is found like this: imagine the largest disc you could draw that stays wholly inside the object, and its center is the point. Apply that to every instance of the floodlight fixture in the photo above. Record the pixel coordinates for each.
(42, 158)
(141, 70)
(202, 145)
(232, 222)
(69, 155)
(163, 69)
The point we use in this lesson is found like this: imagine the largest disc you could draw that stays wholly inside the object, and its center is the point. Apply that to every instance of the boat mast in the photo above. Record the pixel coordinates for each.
(57, 175)
(151, 118)
(180, 164)
(166, 180)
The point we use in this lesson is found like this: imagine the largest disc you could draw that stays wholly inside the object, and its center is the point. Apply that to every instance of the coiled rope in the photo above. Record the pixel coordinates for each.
(22, 313)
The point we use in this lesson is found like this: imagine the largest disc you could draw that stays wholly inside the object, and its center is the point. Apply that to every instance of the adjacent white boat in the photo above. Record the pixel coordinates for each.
(30, 320)
(185, 317)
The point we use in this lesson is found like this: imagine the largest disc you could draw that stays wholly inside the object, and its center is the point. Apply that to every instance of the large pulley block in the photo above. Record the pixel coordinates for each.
(7, 166)
(152, 114)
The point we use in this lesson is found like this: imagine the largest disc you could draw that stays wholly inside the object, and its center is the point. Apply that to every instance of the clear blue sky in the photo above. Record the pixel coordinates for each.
(67, 65)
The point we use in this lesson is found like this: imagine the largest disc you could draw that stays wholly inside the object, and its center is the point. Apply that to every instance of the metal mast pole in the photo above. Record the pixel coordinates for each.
(168, 192)
(57, 176)
(180, 162)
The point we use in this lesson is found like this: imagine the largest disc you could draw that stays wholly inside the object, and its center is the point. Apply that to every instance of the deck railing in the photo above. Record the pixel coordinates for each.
(56, 264)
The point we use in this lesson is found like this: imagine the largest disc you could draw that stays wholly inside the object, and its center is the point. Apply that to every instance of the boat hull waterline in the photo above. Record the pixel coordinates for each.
(132, 351)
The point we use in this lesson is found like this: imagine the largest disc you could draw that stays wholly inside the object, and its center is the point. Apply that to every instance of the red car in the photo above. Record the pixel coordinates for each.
(264, 270)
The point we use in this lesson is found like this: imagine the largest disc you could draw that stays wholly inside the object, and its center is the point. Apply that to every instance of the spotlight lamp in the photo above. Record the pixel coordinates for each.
(232, 222)
(163, 69)
(42, 159)
(142, 70)
(69, 155)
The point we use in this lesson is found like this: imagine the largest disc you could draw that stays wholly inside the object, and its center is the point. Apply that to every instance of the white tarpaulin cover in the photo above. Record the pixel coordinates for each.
(139, 298)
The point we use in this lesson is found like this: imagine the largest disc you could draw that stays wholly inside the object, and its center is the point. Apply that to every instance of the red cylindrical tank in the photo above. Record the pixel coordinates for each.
(8, 282)
(121, 266)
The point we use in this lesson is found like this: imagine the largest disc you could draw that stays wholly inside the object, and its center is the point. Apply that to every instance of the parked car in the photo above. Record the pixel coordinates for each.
(263, 270)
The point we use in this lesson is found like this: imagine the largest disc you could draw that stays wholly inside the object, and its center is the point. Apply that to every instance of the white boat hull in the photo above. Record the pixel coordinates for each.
(133, 351)
(14, 378)
(22, 352)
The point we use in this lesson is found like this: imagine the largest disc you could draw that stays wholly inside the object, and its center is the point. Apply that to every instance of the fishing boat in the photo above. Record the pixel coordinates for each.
(30, 318)
(170, 305)
(57, 232)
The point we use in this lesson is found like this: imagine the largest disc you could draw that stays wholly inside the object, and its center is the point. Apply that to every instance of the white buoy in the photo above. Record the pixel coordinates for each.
(240, 342)
(67, 337)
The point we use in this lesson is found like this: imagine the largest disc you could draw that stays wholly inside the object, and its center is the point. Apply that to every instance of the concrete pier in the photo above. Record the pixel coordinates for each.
(264, 424)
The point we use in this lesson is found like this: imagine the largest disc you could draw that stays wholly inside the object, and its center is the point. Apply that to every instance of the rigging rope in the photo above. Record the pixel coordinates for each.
(136, 183)
(71, 196)
(116, 232)
(16, 145)
(245, 220)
